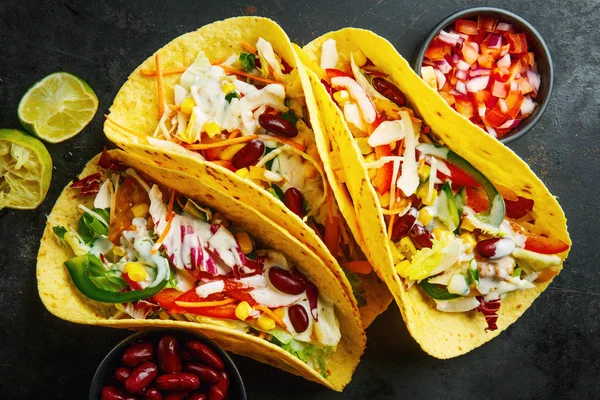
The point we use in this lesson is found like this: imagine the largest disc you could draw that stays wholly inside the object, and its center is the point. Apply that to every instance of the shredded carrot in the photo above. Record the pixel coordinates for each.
(118, 125)
(172, 71)
(162, 237)
(222, 143)
(234, 134)
(262, 335)
(282, 140)
(272, 315)
(159, 86)
(179, 202)
(217, 61)
(248, 47)
(247, 75)
(204, 303)
(391, 225)
(170, 213)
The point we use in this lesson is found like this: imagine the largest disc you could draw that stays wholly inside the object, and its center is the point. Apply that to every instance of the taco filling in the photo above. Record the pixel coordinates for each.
(248, 114)
(157, 255)
(463, 241)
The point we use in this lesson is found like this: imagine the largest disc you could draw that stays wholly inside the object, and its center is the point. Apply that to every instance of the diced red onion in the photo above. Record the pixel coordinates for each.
(463, 65)
(441, 79)
(443, 66)
(460, 42)
(494, 41)
(462, 75)
(534, 80)
(481, 111)
(503, 106)
(514, 85)
(480, 72)
(478, 83)
(449, 38)
(456, 93)
(503, 27)
(428, 63)
(527, 107)
(504, 61)
(449, 59)
(504, 52)
(511, 123)
(475, 45)
(461, 87)
(491, 130)
(455, 58)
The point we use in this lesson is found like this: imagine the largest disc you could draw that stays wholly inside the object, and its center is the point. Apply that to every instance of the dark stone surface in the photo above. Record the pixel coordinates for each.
(553, 352)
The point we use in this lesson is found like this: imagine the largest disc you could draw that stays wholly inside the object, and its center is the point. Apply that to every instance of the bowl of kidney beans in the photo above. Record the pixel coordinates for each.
(167, 364)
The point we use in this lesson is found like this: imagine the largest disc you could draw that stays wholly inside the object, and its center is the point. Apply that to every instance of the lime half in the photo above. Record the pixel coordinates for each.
(25, 170)
(58, 107)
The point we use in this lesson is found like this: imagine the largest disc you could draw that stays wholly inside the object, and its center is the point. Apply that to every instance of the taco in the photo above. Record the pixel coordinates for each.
(464, 234)
(226, 103)
(130, 245)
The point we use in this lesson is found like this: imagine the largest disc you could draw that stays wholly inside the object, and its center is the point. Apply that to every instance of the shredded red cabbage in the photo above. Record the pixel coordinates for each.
(107, 163)
(313, 296)
(489, 310)
(90, 185)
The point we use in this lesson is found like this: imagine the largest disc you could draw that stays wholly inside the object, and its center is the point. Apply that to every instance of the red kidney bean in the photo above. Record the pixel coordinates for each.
(205, 354)
(214, 393)
(404, 224)
(327, 87)
(278, 125)
(389, 90)
(122, 373)
(141, 377)
(294, 200)
(495, 248)
(114, 393)
(285, 282)
(196, 396)
(175, 396)
(421, 237)
(223, 384)
(205, 374)
(153, 394)
(177, 382)
(138, 353)
(298, 317)
(168, 357)
(185, 356)
(248, 154)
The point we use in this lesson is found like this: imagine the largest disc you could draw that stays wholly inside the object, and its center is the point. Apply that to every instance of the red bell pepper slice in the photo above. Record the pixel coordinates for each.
(383, 179)
(486, 24)
(466, 26)
(484, 97)
(134, 285)
(544, 245)
(519, 208)
(225, 312)
(485, 61)
(437, 50)
(514, 101)
(465, 107)
(518, 43)
(166, 298)
(477, 199)
(332, 73)
(495, 118)
(458, 177)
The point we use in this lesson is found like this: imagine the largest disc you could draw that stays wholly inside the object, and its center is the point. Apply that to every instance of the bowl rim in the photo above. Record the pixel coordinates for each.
(235, 377)
(418, 60)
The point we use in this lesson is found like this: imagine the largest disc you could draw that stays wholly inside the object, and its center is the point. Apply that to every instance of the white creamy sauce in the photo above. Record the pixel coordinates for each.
(329, 54)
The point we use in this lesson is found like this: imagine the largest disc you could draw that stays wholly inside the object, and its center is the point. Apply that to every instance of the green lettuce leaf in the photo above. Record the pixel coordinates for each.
(104, 278)
(247, 60)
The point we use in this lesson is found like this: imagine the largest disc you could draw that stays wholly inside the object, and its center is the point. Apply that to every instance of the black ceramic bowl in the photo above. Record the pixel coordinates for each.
(113, 360)
(536, 45)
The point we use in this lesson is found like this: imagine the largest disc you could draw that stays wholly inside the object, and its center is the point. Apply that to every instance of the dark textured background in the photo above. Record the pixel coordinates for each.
(552, 352)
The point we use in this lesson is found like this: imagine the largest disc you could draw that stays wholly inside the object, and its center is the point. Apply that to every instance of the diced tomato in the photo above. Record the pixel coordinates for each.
(483, 97)
(331, 236)
(528, 59)
(448, 98)
(383, 179)
(469, 52)
(495, 118)
(519, 208)
(332, 73)
(437, 50)
(466, 26)
(358, 267)
(518, 43)
(130, 193)
(544, 245)
(212, 154)
(514, 101)
(500, 89)
(484, 49)
(477, 199)
(465, 107)
(486, 24)
(502, 132)
(515, 69)
(485, 61)
(524, 85)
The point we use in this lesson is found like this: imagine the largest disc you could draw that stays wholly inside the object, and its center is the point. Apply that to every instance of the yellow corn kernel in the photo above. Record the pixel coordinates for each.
(227, 87)
(424, 171)
(442, 234)
(406, 247)
(424, 217)
(187, 105)
(212, 128)
(422, 193)
(242, 172)
(230, 151)
(384, 200)
(245, 242)
(140, 210)
(118, 251)
(467, 225)
(363, 146)
(279, 312)
(341, 96)
(265, 322)
(135, 271)
(402, 266)
(243, 310)
(359, 58)
(467, 238)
